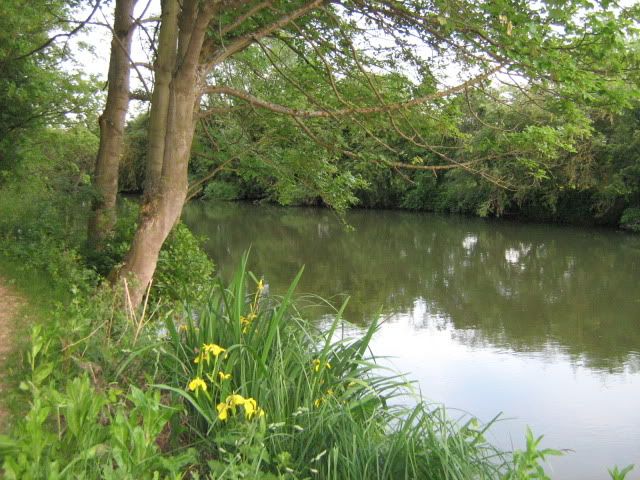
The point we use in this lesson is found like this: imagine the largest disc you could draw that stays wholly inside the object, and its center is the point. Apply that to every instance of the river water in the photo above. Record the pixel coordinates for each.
(541, 323)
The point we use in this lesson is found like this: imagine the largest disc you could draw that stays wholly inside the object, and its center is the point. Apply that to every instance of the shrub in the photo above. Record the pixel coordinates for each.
(630, 219)
(183, 271)
(221, 190)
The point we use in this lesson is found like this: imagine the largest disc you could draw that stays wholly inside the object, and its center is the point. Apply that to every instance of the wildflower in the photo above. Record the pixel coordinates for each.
(203, 356)
(224, 376)
(251, 408)
(223, 411)
(231, 403)
(235, 400)
(213, 349)
(197, 383)
(330, 392)
(183, 328)
(318, 402)
(260, 285)
(317, 365)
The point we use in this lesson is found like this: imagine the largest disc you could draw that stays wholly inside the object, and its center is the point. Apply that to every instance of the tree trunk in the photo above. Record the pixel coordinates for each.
(182, 49)
(161, 209)
(164, 66)
(112, 123)
(163, 202)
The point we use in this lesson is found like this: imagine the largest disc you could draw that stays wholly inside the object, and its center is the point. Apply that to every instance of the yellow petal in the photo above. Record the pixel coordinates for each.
(197, 383)
(235, 400)
(223, 411)
(213, 349)
(250, 407)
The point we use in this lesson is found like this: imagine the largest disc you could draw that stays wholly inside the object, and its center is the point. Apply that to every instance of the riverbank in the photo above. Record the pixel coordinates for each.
(101, 394)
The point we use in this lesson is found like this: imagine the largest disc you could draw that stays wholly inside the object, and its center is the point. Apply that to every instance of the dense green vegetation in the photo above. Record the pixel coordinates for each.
(207, 380)
(529, 159)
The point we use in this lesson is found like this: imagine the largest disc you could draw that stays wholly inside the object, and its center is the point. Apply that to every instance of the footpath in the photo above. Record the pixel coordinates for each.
(10, 303)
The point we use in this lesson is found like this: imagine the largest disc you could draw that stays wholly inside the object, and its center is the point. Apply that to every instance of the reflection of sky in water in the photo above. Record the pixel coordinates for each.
(541, 389)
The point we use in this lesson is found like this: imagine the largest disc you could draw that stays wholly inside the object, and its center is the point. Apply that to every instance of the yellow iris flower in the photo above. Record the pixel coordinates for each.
(209, 349)
(204, 356)
(197, 384)
(250, 406)
(317, 365)
(235, 400)
(223, 411)
(224, 376)
(213, 349)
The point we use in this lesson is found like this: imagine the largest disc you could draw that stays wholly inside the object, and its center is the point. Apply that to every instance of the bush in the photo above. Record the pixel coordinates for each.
(184, 270)
(630, 219)
(221, 190)
(44, 203)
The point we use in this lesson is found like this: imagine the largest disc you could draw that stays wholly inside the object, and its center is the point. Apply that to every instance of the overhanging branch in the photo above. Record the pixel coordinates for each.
(281, 109)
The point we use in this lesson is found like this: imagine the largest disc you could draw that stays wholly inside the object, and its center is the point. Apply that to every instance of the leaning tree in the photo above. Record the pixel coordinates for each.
(211, 56)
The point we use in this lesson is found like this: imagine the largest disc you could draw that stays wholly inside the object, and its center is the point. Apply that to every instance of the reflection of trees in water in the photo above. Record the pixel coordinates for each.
(521, 287)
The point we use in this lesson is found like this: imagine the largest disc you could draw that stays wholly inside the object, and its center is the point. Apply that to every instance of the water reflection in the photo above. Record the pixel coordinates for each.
(521, 288)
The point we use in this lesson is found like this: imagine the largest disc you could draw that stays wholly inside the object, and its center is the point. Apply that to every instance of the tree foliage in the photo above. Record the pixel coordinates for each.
(34, 90)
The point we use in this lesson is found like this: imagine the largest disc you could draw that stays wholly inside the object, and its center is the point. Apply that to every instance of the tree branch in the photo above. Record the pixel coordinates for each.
(244, 17)
(276, 108)
(244, 41)
(59, 35)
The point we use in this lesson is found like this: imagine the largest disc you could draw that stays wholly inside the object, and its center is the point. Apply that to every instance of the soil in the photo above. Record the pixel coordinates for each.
(10, 304)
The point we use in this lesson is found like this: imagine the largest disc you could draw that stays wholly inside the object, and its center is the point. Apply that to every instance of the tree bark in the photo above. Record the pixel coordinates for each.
(164, 66)
(112, 122)
(163, 202)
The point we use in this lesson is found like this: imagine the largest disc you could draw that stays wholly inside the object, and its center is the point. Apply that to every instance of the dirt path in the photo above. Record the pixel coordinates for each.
(10, 303)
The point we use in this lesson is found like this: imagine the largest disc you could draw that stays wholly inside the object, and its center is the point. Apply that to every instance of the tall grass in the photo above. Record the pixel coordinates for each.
(329, 410)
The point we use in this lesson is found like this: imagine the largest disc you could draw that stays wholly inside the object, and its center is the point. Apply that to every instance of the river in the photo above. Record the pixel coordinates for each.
(539, 322)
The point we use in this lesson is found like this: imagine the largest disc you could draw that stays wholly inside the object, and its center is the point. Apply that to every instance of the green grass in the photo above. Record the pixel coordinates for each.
(39, 298)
